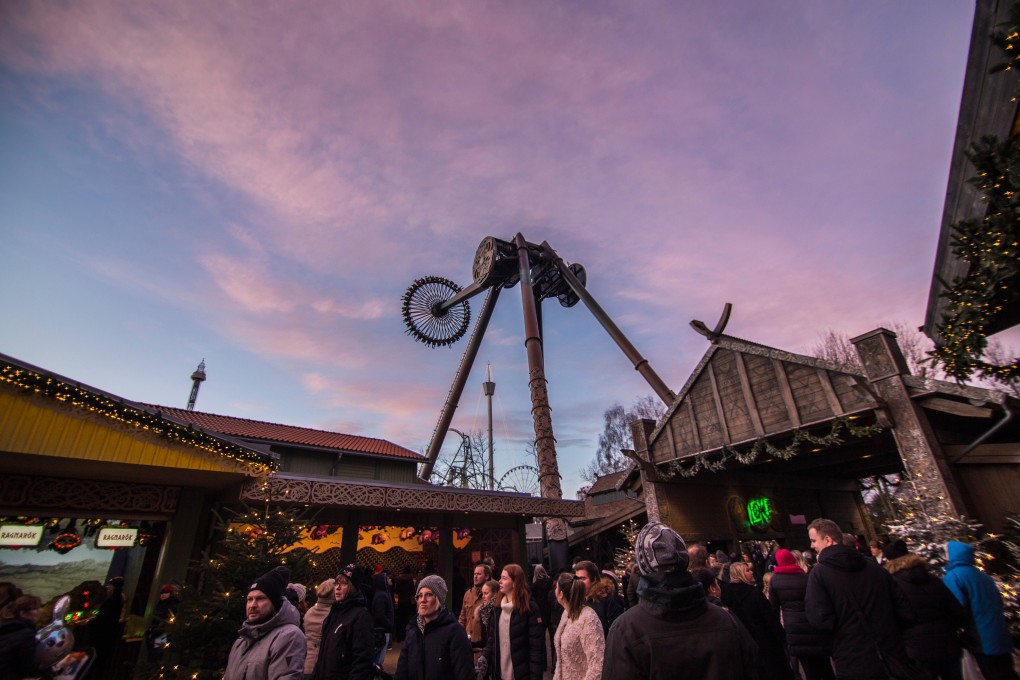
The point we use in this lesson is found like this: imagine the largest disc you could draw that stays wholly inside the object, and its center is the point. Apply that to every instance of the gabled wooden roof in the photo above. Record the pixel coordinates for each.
(742, 391)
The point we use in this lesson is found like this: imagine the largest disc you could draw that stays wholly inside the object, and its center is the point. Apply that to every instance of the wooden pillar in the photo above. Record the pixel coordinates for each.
(922, 455)
(640, 431)
(180, 543)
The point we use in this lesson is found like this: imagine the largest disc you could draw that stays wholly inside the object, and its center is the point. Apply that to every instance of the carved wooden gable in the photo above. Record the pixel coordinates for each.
(742, 391)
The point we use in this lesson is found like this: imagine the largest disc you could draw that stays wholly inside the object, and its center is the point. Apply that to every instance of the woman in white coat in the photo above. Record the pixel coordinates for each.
(579, 640)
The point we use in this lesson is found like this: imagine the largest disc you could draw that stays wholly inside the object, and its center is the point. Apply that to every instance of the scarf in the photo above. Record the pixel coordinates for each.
(420, 620)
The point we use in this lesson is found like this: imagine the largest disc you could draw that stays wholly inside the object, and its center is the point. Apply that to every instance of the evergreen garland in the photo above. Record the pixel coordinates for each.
(834, 438)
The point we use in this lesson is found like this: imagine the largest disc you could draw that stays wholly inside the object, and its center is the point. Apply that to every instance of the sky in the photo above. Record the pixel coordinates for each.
(256, 184)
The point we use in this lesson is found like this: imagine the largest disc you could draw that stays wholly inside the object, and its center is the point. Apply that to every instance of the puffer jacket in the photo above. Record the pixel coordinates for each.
(786, 594)
(749, 605)
(441, 652)
(527, 644)
(272, 650)
(346, 650)
(314, 618)
(932, 638)
(976, 590)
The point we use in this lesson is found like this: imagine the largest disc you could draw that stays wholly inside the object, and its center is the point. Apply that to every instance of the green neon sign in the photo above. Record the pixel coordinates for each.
(759, 512)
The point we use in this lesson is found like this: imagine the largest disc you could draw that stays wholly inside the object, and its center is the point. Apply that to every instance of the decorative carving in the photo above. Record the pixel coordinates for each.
(41, 493)
(351, 494)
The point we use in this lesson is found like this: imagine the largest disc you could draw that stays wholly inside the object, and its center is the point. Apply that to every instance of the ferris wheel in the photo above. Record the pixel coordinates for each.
(521, 479)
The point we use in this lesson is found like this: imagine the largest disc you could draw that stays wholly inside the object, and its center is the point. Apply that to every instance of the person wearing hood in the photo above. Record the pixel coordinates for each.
(809, 646)
(382, 614)
(859, 604)
(346, 648)
(435, 644)
(269, 645)
(314, 618)
(745, 599)
(673, 632)
(976, 591)
(931, 641)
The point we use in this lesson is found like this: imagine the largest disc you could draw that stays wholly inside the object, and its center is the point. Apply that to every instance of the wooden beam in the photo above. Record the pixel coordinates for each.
(830, 393)
(956, 408)
(724, 429)
(689, 410)
(784, 389)
(985, 453)
(745, 384)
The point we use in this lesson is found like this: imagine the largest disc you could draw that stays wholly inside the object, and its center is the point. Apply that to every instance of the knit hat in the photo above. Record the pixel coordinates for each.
(353, 573)
(167, 589)
(300, 590)
(786, 563)
(434, 583)
(272, 585)
(660, 549)
(897, 548)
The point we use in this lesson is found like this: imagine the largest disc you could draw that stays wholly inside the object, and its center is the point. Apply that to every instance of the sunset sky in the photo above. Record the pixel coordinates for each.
(257, 183)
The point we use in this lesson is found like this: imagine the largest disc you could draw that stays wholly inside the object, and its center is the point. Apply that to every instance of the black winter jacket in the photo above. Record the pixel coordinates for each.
(17, 650)
(672, 633)
(932, 639)
(527, 644)
(749, 605)
(858, 601)
(786, 593)
(346, 647)
(442, 652)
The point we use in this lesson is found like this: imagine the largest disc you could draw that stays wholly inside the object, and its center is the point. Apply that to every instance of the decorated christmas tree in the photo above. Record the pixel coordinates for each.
(625, 555)
(920, 522)
(253, 542)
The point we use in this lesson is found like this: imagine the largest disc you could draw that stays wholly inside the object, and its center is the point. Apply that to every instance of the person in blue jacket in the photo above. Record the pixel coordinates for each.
(977, 592)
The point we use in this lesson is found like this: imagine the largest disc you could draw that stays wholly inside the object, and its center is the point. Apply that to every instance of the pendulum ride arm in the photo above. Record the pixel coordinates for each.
(459, 380)
(641, 364)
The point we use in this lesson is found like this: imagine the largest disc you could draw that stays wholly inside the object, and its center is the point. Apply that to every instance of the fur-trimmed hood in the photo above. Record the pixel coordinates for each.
(908, 561)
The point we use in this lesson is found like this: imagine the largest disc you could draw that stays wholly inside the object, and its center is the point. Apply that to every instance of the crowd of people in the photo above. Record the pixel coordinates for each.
(843, 609)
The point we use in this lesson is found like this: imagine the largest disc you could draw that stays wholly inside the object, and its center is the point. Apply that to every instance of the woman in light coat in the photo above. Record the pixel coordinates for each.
(579, 640)
(314, 617)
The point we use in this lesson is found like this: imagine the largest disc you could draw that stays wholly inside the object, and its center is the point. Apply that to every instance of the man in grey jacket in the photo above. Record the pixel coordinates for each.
(270, 644)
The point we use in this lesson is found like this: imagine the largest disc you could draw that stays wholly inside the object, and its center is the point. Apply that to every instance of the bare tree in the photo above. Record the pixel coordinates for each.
(915, 345)
(616, 435)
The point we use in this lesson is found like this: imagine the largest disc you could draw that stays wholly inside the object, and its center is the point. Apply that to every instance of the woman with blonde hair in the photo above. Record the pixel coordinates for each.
(314, 617)
(579, 641)
(515, 649)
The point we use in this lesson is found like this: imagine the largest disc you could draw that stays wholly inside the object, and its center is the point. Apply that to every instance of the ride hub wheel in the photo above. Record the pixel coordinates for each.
(426, 322)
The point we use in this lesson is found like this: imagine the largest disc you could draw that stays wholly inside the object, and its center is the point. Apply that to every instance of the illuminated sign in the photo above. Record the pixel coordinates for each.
(759, 512)
(20, 536)
(116, 537)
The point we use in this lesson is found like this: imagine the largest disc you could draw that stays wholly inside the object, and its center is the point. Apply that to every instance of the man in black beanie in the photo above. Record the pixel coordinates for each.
(673, 632)
(270, 644)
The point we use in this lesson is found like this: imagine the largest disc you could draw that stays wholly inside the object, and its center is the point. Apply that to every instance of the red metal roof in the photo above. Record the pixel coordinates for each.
(287, 434)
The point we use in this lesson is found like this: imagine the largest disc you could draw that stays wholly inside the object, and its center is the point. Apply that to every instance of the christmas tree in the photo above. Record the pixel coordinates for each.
(253, 542)
(625, 555)
(920, 522)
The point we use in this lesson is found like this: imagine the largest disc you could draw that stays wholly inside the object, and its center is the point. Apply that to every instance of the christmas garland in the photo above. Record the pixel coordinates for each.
(834, 438)
(988, 245)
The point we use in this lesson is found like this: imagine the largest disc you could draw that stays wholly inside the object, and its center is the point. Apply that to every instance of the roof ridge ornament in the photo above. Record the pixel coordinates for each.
(713, 335)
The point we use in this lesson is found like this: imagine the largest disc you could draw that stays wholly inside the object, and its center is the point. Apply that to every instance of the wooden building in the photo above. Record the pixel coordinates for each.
(760, 441)
(75, 459)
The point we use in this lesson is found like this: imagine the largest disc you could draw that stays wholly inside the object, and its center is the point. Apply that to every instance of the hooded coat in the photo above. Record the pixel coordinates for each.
(271, 650)
(860, 604)
(346, 648)
(440, 652)
(976, 591)
(673, 633)
(749, 605)
(932, 638)
(382, 604)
